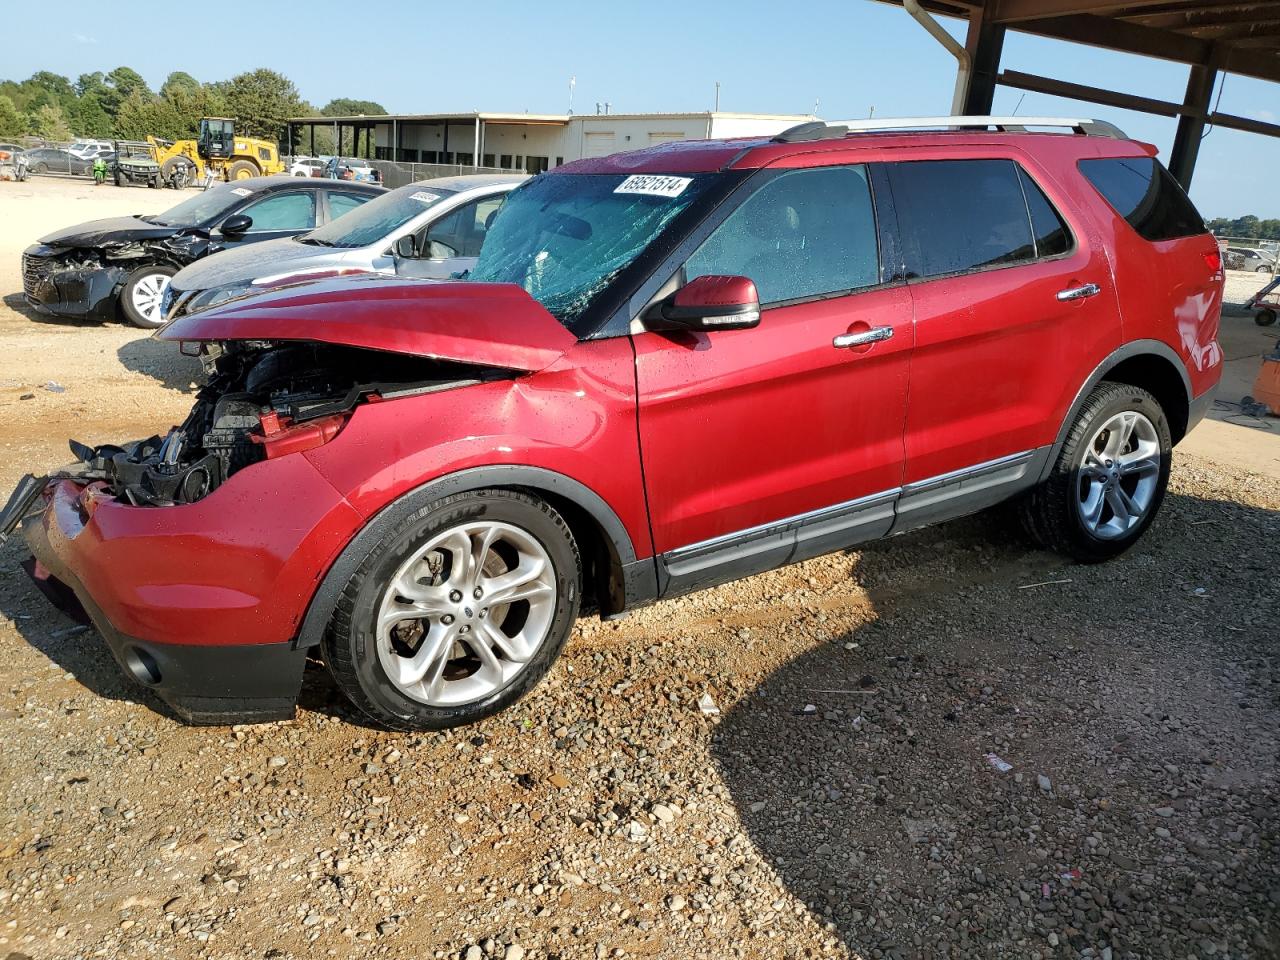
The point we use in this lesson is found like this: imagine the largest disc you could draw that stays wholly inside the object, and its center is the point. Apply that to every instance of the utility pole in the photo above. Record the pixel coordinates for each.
(717, 108)
(573, 82)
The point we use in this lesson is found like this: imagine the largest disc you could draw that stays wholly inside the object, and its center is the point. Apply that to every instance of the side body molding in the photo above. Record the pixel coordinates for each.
(638, 577)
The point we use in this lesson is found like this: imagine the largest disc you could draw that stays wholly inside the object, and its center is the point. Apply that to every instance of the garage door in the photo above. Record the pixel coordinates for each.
(664, 137)
(600, 144)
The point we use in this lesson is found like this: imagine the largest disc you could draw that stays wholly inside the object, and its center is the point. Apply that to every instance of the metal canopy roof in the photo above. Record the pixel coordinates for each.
(1241, 38)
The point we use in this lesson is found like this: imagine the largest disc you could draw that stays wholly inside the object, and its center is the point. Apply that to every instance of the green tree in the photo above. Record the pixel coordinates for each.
(120, 84)
(179, 82)
(344, 107)
(11, 122)
(143, 115)
(49, 122)
(260, 101)
(89, 119)
(88, 83)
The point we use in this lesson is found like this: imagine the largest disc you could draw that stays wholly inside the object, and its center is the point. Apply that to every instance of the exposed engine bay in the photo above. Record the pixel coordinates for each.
(263, 400)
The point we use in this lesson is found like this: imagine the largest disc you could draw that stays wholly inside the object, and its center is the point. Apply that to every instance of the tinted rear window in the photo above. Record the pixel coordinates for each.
(961, 215)
(1051, 233)
(1146, 195)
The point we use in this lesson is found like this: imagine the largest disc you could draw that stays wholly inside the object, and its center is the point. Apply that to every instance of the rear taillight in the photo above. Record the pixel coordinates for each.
(280, 436)
(1213, 261)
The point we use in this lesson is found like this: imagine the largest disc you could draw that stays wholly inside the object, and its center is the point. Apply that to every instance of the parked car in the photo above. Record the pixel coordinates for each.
(1247, 258)
(91, 270)
(348, 168)
(305, 167)
(669, 369)
(54, 160)
(432, 229)
(91, 149)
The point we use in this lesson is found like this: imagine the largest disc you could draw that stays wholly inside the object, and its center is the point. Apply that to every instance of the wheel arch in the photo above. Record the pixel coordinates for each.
(612, 574)
(1150, 364)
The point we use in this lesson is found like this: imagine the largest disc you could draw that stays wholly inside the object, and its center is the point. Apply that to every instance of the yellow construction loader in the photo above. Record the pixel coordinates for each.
(230, 157)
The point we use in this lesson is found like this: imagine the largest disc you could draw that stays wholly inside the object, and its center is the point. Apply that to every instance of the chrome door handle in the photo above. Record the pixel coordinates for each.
(1079, 293)
(874, 335)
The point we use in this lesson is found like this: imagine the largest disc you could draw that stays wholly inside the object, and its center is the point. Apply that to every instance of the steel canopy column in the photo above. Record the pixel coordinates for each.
(1195, 108)
(985, 43)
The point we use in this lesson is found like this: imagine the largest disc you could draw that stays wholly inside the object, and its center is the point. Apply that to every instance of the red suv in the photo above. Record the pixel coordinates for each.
(669, 369)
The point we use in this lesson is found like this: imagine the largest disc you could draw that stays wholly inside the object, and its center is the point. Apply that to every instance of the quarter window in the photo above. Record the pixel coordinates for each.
(1052, 237)
(1146, 195)
(804, 233)
(960, 215)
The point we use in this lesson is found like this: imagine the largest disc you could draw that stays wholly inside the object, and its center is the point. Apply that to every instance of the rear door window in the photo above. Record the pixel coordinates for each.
(804, 233)
(1142, 191)
(962, 215)
(340, 203)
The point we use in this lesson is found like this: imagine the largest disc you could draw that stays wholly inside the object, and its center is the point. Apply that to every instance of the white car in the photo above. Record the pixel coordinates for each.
(91, 149)
(305, 167)
(431, 229)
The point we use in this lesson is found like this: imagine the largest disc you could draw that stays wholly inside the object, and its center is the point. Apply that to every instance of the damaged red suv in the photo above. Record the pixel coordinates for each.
(669, 369)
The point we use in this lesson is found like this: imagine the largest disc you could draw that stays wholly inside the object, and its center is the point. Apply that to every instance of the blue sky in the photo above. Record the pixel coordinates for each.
(849, 55)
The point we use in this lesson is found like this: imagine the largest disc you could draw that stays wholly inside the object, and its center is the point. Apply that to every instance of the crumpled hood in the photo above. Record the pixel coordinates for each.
(488, 324)
(251, 262)
(113, 229)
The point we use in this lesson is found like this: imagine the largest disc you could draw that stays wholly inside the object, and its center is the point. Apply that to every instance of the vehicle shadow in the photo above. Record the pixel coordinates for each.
(860, 772)
(18, 304)
(162, 361)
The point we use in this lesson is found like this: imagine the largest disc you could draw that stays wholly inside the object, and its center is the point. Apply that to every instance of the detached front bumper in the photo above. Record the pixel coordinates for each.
(199, 603)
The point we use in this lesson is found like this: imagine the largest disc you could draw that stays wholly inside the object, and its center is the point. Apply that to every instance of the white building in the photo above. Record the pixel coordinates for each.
(523, 141)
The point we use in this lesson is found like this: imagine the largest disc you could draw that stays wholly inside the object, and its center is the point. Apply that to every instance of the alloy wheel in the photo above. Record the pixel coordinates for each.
(1119, 475)
(148, 296)
(465, 613)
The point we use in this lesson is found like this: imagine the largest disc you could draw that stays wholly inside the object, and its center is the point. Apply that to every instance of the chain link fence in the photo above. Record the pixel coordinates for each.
(54, 156)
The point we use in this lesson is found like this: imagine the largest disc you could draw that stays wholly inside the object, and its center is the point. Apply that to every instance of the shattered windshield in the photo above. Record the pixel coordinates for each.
(202, 208)
(372, 221)
(564, 237)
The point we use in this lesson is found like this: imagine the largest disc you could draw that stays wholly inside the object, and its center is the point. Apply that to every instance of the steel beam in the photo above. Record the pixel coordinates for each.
(985, 43)
(1186, 142)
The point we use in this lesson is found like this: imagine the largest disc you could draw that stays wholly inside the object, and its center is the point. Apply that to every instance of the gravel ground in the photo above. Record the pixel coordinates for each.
(836, 801)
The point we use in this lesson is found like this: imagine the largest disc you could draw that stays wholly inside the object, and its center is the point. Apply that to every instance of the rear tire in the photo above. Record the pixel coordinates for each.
(141, 294)
(1109, 479)
(1264, 318)
(242, 170)
(414, 642)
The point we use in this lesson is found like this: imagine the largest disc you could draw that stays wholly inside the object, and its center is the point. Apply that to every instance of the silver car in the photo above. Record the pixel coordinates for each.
(431, 229)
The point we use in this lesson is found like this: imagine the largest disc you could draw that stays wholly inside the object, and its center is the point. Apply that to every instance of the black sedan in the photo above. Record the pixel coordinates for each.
(53, 160)
(91, 270)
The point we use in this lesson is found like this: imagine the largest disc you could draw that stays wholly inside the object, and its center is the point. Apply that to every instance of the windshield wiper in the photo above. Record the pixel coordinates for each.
(315, 241)
(153, 220)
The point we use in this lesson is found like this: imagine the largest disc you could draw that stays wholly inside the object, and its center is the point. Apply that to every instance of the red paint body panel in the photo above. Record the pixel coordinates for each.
(237, 567)
(494, 324)
(739, 428)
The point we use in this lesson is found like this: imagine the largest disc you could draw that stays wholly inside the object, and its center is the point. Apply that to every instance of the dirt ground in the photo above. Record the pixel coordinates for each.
(840, 803)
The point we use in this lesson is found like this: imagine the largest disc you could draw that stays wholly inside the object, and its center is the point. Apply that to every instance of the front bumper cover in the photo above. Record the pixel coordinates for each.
(253, 683)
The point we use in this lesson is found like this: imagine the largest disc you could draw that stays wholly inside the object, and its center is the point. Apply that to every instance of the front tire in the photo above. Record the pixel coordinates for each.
(1109, 479)
(457, 613)
(242, 170)
(142, 294)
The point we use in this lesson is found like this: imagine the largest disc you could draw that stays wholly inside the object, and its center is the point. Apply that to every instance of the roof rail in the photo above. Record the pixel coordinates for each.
(837, 129)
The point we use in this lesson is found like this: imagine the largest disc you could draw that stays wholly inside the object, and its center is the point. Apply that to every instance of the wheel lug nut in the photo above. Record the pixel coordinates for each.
(455, 596)
(477, 593)
(483, 612)
(464, 629)
(447, 619)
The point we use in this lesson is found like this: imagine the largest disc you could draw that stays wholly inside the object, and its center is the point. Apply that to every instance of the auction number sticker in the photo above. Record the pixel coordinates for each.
(423, 197)
(653, 185)
(241, 191)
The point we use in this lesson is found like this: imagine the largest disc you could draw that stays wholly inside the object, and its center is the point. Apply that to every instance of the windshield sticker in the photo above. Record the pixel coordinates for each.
(423, 197)
(241, 192)
(653, 186)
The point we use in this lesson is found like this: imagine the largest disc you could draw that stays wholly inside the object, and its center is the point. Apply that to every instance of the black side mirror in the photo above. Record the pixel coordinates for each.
(236, 224)
(709, 303)
(406, 248)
